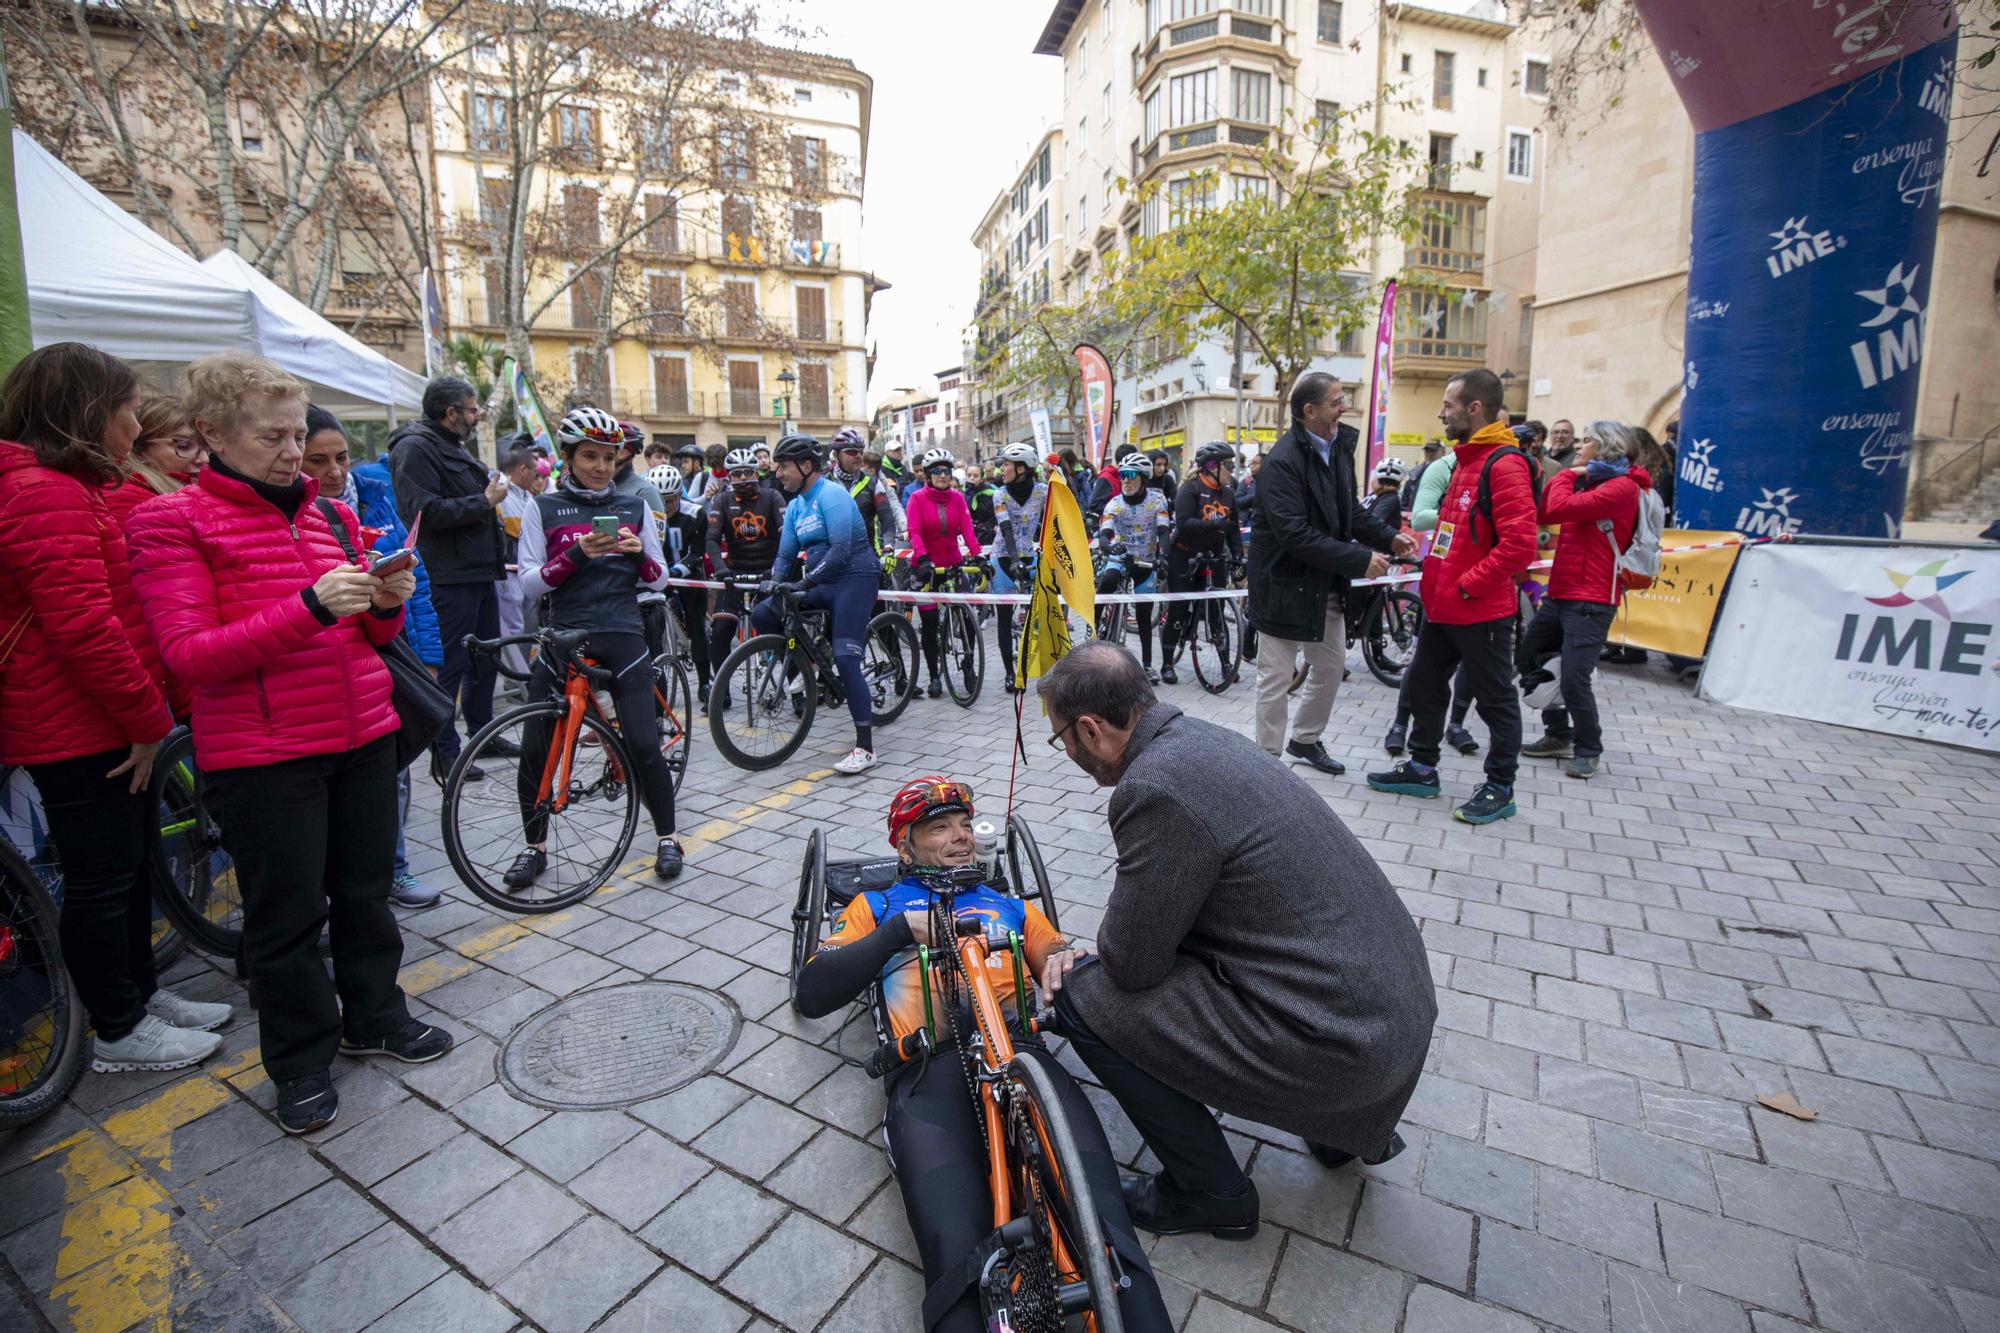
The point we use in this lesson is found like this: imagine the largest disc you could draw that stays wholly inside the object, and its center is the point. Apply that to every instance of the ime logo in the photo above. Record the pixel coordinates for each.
(1899, 345)
(1928, 642)
(1698, 467)
(1770, 516)
(1793, 247)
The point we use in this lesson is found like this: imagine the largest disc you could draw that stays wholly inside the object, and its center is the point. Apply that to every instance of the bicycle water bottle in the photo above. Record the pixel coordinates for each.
(606, 710)
(986, 846)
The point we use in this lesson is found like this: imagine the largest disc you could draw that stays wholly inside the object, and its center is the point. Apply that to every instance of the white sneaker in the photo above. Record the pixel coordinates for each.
(1544, 695)
(180, 1012)
(858, 761)
(153, 1045)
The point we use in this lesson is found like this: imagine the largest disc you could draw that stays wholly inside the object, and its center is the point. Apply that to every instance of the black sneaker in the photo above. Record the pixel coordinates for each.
(1398, 737)
(306, 1104)
(1406, 779)
(414, 1043)
(934, 690)
(701, 694)
(1333, 1158)
(668, 858)
(1316, 755)
(1152, 676)
(504, 748)
(1158, 1207)
(1461, 740)
(527, 866)
(1169, 676)
(474, 773)
(1492, 801)
(1548, 747)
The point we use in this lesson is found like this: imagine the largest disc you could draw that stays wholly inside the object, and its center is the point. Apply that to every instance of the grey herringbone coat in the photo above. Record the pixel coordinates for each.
(1254, 955)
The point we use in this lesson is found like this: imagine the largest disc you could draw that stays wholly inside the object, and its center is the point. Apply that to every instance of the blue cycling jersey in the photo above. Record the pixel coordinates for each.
(825, 516)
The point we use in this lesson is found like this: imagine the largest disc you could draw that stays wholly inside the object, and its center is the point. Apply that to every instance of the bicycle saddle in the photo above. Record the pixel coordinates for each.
(568, 641)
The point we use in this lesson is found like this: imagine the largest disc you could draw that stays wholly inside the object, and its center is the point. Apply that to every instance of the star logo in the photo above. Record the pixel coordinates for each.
(1790, 234)
(1699, 451)
(1896, 295)
(1922, 586)
(1778, 501)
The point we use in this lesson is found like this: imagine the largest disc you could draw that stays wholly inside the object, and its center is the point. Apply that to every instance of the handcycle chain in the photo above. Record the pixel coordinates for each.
(957, 995)
(1037, 1306)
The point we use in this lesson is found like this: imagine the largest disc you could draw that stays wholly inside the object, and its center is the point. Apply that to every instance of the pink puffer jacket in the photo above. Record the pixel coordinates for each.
(220, 572)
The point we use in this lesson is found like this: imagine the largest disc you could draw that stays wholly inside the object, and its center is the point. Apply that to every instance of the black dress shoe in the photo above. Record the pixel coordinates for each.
(1160, 1208)
(1316, 755)
(1332, 1158)
(503, 747)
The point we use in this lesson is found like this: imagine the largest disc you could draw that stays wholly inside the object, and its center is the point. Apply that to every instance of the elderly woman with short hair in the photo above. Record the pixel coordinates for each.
(254, 602)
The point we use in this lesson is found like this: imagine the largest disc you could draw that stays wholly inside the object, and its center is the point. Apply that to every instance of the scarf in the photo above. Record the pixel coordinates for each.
(569, 485)
(286, 498)
(1600, 470)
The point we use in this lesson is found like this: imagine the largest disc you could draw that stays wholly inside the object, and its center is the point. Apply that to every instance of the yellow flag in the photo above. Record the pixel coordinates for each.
(1063, 574)
(1045, 635)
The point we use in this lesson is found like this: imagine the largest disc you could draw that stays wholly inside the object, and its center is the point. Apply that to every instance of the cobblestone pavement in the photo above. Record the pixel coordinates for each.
(1744, 905)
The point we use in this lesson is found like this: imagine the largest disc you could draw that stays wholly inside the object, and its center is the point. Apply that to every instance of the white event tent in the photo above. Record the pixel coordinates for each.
(98, 275)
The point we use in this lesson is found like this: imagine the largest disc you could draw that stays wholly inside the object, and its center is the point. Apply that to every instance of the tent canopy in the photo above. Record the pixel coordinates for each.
(98, 275)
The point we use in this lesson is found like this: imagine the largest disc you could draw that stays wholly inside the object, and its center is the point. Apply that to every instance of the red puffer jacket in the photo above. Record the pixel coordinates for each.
(124, 499)
(1586, 568)
(83, 677)
(1472, 570)
(221, 571)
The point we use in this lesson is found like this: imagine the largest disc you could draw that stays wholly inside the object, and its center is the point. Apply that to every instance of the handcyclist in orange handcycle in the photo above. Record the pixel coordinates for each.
(945, 1163)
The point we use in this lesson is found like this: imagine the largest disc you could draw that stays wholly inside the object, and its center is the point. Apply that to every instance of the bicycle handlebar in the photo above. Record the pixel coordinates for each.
(893, 1053)
(474, 644)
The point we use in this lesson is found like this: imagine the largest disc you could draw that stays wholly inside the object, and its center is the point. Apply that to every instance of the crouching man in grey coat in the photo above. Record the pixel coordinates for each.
(1252, 956)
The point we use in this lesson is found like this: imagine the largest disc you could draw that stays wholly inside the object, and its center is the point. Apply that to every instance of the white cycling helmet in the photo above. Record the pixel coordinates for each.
(738, 458)
(667, 477)
(935, 458)
(1024, 454)
(592, 424)
(1390, 469)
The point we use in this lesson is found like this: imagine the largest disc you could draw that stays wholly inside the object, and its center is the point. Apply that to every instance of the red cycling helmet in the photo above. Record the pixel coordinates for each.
(920, 798)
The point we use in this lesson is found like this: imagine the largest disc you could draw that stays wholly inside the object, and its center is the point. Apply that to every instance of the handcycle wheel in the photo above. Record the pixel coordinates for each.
(761, 703)
(963, 654)
(1021, 843)
(1389, 635)
(676, 700)
(194, 878)
(889, 657)
(1055, 1196)
(42, 1038)
(809, 910)
(586, 839)
(1211, 646)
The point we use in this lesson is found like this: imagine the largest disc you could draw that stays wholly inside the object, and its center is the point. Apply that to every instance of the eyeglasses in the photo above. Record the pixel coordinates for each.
(187, 446)
(1056, 741)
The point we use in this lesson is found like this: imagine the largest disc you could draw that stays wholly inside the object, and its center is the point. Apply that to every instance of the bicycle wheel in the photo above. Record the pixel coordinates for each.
(1389, 635)
(587, 804)
(809, 911)
(889, 658)
(676, 704)
(761, 704)
(963, 655)
(41, 1020)
(1063, 1265)
(1211, 647)
(194, 878)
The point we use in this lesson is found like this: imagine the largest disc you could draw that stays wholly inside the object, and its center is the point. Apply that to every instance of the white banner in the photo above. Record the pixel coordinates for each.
(1045, 440)
(1900, 639)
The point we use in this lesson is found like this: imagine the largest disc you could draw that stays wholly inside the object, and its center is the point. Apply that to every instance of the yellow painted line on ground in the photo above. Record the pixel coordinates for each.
(428, 974)
(100, 1224)
(140, 1287)
(489, 942)
(147, 1128)
(243, 1071)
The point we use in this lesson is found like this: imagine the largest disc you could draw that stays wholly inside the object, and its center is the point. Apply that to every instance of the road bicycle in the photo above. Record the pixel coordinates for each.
(42, 1040)
(562, 763)
(768, 690)
(1213, 627)
(1117, 621)
(1385, 619)
(733, 626)
(961, 647)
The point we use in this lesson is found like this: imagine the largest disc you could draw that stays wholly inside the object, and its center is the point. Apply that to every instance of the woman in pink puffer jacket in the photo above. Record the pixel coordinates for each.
(255, 606)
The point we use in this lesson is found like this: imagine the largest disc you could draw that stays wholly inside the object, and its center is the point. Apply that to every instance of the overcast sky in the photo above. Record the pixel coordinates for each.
(959, 101)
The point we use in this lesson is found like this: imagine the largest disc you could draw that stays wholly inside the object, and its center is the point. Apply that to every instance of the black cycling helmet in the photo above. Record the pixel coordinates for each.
(1215, 451)
(693, 451)
(799, 449)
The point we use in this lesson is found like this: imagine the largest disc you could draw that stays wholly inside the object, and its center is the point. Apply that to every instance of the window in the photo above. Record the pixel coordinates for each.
(250, 125)
(810, 305)
(1482, 76)
(1329, 20)
(665, 312)
(489, 124)
(1243, 187)
(670, 386)
(580, 216)
(802, 95)
(496, 198)
(1520, 155)
(739, 307)
(496, 295)
(1440, 160)
(732, 155)
(1152, 126)
(806, 224)
(808, 164)
(576, 132)
(1326, 120)
(1082, 59)
(1107, 192)
(746, 391)
(1107, 104)
(1154, 16)
(739, 221)
(586, 299)
(590, 368)
(1082, 131)
(1189, 197)
(815, 396)
(1104, 19)
(1444, 69)
(663, 224)
(1535, 78)
(729, 83)
(1406, 62)
(1192, 98)
(1250, 95)
(1192, 9)
(656, 144)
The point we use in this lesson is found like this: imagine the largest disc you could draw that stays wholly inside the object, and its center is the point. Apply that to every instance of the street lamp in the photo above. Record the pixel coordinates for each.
(788, 379)
(1199, 369)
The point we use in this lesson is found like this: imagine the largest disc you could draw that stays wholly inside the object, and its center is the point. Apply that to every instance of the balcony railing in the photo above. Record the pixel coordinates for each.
(1452, 238)
(681, 404)
(750, 326)
(1440, 330)
(814, 407)
(745, 403)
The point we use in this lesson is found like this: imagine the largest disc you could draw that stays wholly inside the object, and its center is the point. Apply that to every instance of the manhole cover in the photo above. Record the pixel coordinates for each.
(617, 1046)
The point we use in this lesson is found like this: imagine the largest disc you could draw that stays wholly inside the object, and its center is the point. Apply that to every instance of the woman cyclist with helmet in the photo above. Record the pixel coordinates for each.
(1385, 502)
(941, 537)
(1205, 523)
(1017, 517)
(1135, 521)
(591, 581)
(842, 576)
(934, 1133)
(683, 538)
(743, 522)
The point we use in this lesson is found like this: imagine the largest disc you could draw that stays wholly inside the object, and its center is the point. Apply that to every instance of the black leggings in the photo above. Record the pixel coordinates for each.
(1181, 578)
(729, 613)
(638, 722)
(941, 1171)
(1143, 612)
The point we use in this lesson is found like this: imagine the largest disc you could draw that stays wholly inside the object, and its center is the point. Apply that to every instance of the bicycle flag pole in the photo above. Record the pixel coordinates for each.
(1062, 574)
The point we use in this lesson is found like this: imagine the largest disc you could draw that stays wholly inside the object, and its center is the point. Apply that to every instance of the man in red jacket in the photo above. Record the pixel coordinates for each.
(1597, 503)
(1485, 543)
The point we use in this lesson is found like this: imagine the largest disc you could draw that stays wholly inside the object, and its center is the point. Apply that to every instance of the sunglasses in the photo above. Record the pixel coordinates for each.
(948, 793)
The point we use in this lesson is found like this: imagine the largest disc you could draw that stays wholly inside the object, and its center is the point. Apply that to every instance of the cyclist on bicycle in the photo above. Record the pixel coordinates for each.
(941, 538)
(591, 582)
(841, 576)
(935, 1137)
(683, 538)
(1017, 515)
(1135, 526)
(743, 522)
(1205, 526)
(871, 495)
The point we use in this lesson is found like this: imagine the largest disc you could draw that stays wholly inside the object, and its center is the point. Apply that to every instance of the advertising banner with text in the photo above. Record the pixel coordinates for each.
(1898, 639)
(1674, 615)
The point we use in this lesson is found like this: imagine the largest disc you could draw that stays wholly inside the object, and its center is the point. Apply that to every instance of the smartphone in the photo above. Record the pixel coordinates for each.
(604, 525)
(395, 562)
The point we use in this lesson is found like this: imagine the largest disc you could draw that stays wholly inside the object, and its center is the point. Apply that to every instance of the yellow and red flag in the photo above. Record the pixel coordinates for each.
(1062, 574)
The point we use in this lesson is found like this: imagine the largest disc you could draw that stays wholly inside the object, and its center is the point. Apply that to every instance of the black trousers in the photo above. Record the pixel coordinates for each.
(638, 723)
(940, 1155)
(1181, 1131)
(1461, 698)
(1576, 631)
(1487, 650)
(99, 828)
(462, 609)
(1143, 612)
(314, 841)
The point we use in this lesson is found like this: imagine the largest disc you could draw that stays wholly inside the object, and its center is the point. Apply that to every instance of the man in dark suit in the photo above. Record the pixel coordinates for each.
(1312, 537)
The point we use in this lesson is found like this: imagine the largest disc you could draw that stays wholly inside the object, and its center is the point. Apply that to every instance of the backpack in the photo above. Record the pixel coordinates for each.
(1484, 503)
(1639, 563)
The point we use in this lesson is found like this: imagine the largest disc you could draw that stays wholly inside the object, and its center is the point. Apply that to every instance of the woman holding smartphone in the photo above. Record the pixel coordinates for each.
(588, 548)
